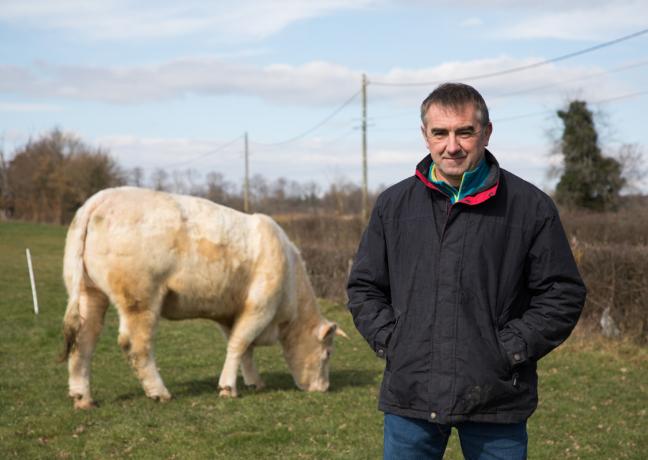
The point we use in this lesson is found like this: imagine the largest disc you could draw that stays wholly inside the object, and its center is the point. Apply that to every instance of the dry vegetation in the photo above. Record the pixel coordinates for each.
(611, 250)
(612, 253)
(328, 244)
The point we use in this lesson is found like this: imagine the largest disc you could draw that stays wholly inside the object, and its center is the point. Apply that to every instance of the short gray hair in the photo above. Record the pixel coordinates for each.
(456, 96)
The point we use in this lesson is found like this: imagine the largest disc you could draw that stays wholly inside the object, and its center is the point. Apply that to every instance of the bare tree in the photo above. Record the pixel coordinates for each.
(160, 180)
(6, 201)
(634, 167)
(50, 177)
(136, 177)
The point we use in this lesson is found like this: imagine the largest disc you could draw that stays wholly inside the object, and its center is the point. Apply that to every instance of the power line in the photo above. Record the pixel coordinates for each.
(334, 140)
(584, 77)
(624, 96)
(314, 127)
(549, 112)
(521, 68)
(206, 154)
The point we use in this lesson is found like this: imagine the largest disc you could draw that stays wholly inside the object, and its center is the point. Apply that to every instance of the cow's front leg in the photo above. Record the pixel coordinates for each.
(246, 329)
(251, 375)
(227, 381)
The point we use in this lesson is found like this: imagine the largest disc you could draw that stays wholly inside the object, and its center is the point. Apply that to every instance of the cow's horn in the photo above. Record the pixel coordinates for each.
(340, 332)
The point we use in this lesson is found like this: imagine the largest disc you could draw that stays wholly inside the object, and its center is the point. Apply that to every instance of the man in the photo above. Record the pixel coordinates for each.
(463, 280)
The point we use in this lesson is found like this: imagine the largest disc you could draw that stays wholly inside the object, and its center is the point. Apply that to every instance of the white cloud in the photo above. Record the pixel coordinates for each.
(547, 5)
(251, 20)
(309, 84)
(304, 160)
(172, 153)
(128, 19)
(583, 22)
(571, 20)
(471, 22)
(28, 107)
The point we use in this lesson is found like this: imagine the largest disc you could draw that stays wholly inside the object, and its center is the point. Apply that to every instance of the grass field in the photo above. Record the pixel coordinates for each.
(594, 394)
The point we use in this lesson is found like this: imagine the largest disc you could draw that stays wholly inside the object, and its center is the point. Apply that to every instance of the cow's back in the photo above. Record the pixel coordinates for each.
(197, 258)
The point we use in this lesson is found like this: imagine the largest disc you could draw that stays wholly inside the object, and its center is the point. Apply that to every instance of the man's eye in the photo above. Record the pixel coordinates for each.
(465, 134)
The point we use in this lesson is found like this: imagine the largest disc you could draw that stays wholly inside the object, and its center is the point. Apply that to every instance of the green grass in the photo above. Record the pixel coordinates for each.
(593, 394)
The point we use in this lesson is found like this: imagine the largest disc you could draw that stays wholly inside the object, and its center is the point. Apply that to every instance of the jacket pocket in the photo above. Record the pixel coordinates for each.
(393, 340)
(486, 383)
(407, 363)
(503, 356)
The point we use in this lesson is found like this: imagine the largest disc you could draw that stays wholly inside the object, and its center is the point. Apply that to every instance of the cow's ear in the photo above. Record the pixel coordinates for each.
(326, 331)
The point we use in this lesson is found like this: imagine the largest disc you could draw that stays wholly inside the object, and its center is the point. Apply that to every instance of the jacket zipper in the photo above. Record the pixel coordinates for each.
(445, 224)
(436, 298)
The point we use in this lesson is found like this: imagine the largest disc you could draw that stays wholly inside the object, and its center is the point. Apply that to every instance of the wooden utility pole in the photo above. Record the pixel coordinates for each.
(365, 192)
(246, 180)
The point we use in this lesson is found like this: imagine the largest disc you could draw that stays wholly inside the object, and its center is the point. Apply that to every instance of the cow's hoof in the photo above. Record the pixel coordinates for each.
(256, 386)
(226, 392)
(84, 404)
(161, 398)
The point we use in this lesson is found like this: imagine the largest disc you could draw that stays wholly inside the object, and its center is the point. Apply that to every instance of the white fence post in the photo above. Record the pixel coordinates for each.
(33, 283)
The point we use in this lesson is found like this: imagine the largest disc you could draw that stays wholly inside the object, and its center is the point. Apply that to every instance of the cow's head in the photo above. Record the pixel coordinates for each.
(308, 357)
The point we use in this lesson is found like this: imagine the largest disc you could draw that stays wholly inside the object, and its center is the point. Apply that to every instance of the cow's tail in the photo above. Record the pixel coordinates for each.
(74, 272)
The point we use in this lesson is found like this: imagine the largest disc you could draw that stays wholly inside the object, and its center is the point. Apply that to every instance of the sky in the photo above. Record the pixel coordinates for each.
(175, 85)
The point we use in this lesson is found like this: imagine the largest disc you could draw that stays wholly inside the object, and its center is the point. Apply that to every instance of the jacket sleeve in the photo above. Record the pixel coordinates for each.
(557, 296)
(368, 287)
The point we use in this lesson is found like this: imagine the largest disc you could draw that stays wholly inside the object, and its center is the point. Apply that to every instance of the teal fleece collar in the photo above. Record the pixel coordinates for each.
(470, 182)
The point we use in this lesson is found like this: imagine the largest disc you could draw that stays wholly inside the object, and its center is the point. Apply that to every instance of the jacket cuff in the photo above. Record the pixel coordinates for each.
(381, 341)
(514, 347)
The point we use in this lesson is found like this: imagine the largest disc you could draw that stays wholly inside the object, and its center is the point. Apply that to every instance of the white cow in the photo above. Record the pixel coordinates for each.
(155, 254)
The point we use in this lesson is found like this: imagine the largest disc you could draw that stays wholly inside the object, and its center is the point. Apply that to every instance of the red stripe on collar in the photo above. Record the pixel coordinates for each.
(425, 180)
(481, 196)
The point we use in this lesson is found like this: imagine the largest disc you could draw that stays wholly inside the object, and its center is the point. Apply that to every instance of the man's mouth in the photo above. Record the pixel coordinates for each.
(455, 158)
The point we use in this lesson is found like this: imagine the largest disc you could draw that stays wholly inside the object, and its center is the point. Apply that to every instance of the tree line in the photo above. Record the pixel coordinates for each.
(49, 178)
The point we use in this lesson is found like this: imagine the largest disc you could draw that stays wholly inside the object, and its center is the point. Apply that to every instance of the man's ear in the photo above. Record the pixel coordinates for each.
(424, 134)
(488, 130)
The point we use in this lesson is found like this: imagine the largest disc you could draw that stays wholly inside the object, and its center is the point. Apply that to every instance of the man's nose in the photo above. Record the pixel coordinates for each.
(453, 145)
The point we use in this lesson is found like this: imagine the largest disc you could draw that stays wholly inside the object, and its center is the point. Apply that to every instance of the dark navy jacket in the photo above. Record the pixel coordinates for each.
(462, 300)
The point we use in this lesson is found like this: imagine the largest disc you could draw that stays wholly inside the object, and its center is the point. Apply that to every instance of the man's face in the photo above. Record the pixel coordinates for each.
(456, 140)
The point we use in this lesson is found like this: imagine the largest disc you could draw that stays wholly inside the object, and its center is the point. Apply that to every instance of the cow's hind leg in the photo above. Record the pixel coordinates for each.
(254, 318)
(137, 327)
(251, 375)
(92, 310)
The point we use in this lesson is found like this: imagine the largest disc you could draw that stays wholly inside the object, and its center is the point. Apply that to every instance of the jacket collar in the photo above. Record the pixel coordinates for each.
(487, 190)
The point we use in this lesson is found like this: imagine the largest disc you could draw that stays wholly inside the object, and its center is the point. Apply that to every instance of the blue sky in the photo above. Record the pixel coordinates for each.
(163, 84)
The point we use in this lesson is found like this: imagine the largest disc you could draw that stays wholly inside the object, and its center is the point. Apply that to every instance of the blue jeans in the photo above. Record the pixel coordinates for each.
(413, 439)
